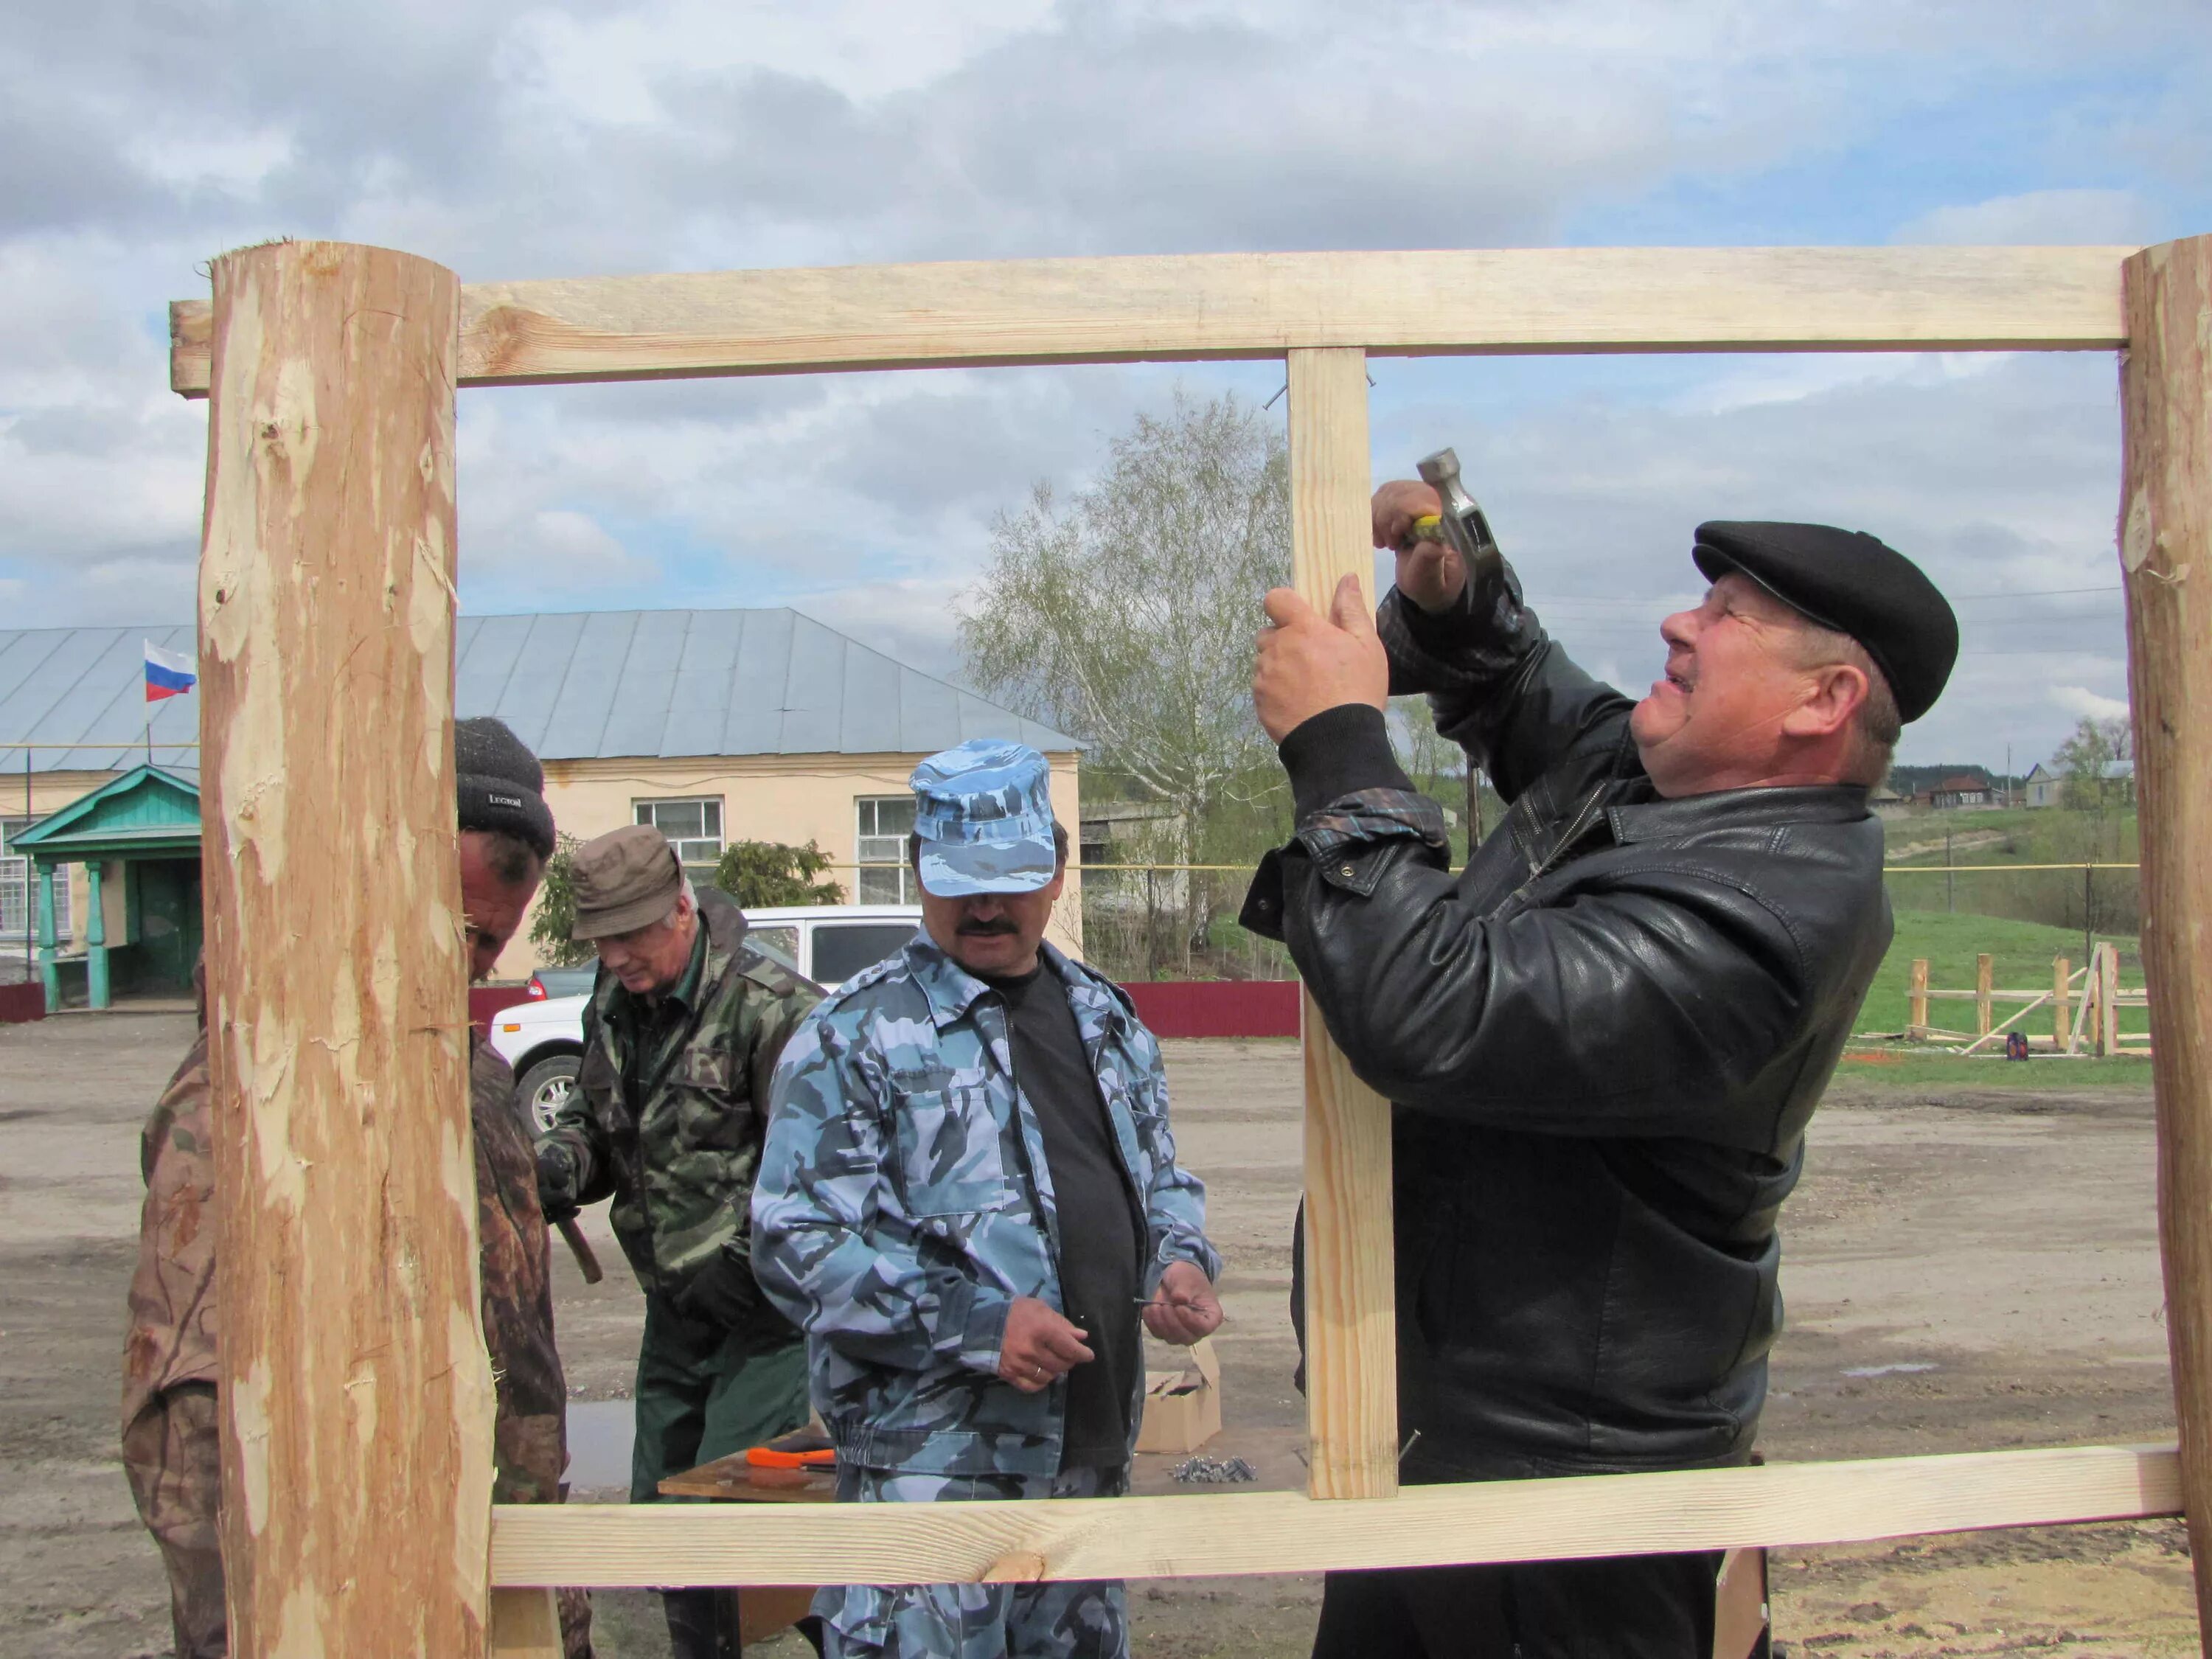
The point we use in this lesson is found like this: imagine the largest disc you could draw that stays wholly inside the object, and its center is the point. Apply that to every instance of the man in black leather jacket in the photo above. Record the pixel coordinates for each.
(1603, 1039)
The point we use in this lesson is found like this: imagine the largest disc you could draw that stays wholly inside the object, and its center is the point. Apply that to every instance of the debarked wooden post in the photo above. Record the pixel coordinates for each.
(357, 1393)
(2166, 561)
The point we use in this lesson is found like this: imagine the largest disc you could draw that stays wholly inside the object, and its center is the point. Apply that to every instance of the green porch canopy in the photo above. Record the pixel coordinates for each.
(148, 821)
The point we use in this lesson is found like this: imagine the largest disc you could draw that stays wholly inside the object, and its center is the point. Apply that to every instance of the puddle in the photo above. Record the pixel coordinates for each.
(1855, 1370)
(600, 1436)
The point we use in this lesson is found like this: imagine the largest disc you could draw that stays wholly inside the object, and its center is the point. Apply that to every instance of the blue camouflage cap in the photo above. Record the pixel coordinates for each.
(983, 811)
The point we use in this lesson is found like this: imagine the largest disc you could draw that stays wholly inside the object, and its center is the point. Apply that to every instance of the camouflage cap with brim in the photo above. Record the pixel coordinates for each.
(983, 815)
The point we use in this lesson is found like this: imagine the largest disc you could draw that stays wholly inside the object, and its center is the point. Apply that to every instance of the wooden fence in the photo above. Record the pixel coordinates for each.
(2085, 1019)
(357, 1395)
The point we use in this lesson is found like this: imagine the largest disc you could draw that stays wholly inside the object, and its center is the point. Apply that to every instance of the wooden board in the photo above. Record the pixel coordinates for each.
(1741, 1617)
(731, 1480)
(1206, 1534)
(2109, 1000)
(2166, 561)
(525, 1623)
(1189, 307)
(357, 1444)
(1352, 1357)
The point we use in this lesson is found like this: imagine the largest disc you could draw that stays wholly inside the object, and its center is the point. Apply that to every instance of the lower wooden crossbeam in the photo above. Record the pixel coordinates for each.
(617, 1547)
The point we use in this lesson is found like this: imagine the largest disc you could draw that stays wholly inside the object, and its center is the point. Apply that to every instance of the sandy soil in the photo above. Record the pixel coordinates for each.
(1966, 1268)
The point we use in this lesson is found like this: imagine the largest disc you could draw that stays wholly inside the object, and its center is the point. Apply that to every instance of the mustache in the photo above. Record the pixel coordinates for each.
(986, 928)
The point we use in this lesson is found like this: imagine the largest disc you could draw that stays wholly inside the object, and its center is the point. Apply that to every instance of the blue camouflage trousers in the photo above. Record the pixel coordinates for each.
(1083, 1619)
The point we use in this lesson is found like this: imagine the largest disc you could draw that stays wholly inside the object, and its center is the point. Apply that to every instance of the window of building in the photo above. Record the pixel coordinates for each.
(883, 823)
(694, 828)
(18, 889)
(15, 882)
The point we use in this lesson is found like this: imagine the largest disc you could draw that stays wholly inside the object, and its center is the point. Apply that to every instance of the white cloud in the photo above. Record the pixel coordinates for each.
(554, 139)
(235, 163)
(2080, 701)
(579, 549)
(912, 621)
(2040, 218)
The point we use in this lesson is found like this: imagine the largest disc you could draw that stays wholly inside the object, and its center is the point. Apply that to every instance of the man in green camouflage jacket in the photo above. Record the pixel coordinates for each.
(681, 1034)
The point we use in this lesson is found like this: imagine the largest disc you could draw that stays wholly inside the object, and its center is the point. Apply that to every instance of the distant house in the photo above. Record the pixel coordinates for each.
(1886, 803)
(1964, 792)
(2047, 788)
(1132, 832)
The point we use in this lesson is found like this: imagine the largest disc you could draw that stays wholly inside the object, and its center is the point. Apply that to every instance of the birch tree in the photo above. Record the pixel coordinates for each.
(1125, 614)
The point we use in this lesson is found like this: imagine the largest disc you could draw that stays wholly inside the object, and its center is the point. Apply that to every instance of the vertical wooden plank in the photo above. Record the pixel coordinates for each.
(2166, 561)
(2062, 974)
(1916, 991)
(1352, 1363)
(357, 1452)
(1984, 982)
(2108, 1000)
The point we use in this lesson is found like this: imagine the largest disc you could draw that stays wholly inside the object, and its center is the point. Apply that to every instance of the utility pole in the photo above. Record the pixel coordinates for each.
(2089, 910)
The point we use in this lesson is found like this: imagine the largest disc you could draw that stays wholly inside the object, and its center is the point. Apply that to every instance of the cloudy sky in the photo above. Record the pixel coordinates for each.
(541, 141)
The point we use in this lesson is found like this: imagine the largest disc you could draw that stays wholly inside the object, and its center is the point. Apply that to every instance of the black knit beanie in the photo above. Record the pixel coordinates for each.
(500, 784)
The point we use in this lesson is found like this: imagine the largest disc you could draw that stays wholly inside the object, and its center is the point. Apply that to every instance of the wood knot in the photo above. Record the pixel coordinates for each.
(1015, 1567)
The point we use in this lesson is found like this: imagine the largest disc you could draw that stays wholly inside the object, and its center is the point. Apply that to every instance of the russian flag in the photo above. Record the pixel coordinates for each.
(168, 673)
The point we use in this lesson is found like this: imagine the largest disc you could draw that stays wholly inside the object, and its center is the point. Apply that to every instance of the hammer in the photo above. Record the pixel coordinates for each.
(587, 1263)
(1461, 526)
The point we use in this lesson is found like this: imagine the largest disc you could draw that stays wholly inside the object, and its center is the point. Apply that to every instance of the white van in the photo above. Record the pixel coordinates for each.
(543, 1041)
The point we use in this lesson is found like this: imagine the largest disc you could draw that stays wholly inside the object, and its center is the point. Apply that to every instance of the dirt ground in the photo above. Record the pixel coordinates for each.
(1966, 1267)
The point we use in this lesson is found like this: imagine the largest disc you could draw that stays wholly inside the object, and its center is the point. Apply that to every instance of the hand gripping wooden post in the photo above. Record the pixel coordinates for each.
(2165, 561)
(1352, 1356)
(357, 1397)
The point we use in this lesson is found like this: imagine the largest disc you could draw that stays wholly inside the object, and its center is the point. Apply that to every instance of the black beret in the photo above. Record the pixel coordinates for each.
(499, 783)
(1852, 583)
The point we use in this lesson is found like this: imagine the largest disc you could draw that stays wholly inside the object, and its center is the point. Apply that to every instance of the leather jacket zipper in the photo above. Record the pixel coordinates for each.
(1577, 827)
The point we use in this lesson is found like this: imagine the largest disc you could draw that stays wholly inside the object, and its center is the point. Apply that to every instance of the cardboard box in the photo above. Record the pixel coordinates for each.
(1183, 1409)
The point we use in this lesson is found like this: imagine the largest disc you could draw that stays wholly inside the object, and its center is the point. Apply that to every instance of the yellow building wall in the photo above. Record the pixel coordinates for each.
(49, 792)
(792, 799)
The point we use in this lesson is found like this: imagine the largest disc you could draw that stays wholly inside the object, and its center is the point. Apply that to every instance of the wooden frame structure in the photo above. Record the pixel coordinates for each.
(358, 1400)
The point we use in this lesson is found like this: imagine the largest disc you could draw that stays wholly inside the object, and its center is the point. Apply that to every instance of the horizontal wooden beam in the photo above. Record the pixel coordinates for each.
(1212, 1534)
(1194, 307)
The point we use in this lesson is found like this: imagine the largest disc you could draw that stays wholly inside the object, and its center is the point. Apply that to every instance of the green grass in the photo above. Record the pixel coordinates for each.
(2014, 849)
(2024, 834)
(2022, 950)
(1919, 1071)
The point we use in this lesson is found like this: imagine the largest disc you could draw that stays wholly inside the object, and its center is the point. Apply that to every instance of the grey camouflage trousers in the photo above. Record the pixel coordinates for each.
(1080, 1619)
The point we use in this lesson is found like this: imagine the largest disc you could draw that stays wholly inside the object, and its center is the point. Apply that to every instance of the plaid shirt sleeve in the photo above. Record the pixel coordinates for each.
(1465, 652)
(1372, 815)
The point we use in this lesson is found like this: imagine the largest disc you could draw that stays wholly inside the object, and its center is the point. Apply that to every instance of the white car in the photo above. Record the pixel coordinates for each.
(827, 943)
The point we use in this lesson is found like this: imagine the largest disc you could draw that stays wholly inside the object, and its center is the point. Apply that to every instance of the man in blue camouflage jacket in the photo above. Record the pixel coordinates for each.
(968, 1189)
